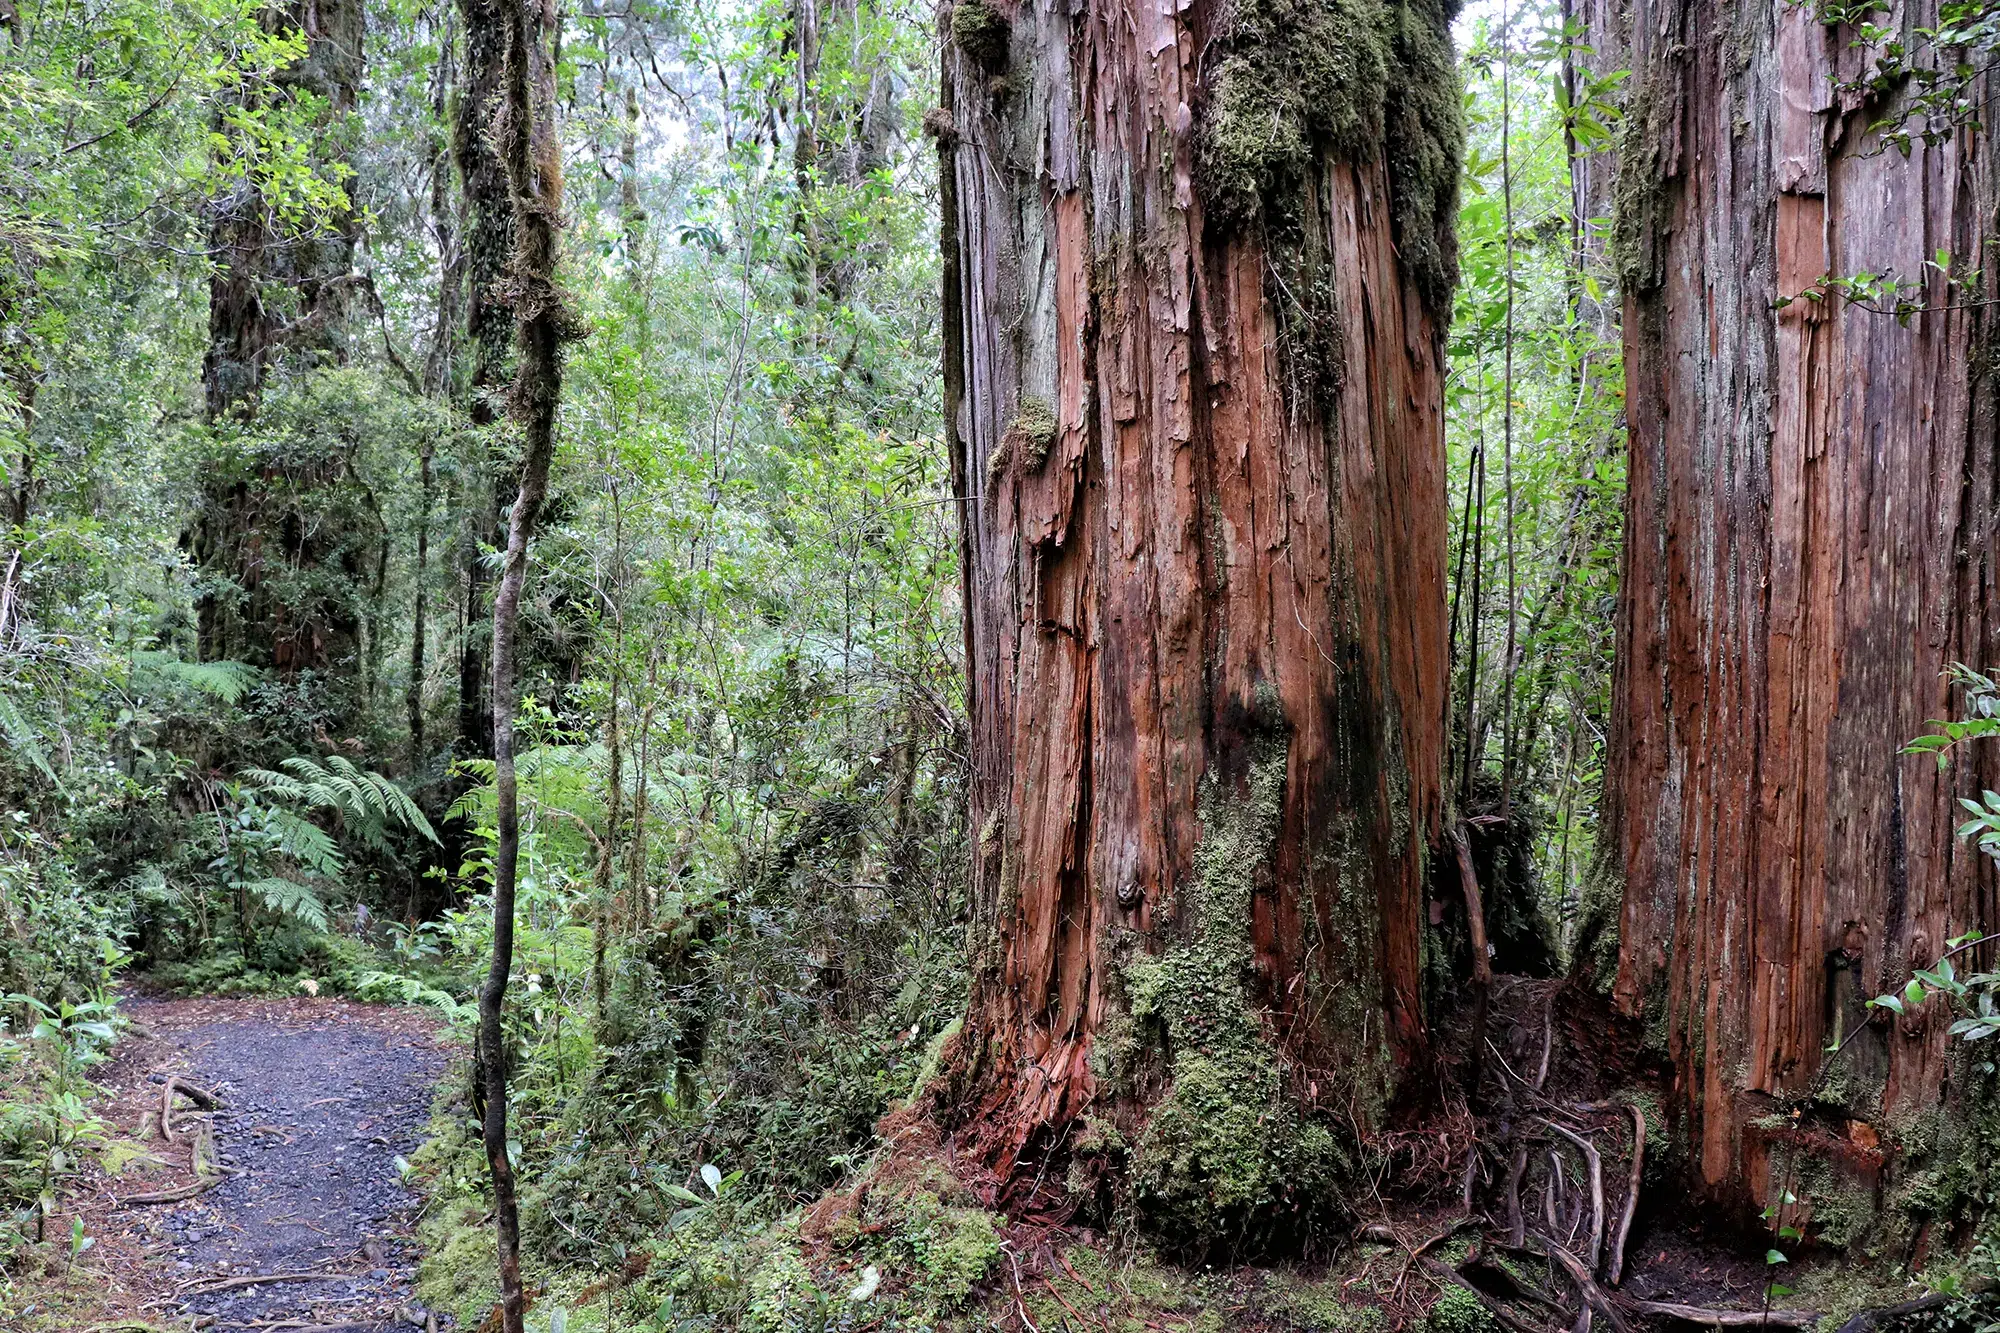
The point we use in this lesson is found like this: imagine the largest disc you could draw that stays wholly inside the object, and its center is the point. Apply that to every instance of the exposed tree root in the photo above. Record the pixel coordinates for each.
(1551, 1177)
(1695, 1314)
(201, 1097)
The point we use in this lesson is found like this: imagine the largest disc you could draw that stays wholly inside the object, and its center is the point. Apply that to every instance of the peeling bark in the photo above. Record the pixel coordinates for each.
(1810, 535)
(1201, 472)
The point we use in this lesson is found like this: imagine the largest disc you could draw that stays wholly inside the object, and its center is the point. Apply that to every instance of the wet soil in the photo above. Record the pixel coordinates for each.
(321, 1103)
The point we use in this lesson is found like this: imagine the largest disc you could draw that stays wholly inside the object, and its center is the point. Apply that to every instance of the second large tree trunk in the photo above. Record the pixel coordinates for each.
(1809, 543)
(1197, 262)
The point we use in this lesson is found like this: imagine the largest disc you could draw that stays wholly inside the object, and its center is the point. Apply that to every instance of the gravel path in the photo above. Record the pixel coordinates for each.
(320, 1100)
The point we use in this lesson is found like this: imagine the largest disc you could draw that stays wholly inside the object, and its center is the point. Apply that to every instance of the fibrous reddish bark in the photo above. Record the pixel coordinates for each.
(1198, 442)
(1810, 538)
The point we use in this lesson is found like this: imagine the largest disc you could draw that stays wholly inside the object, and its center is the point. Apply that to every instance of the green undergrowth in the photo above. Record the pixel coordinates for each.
(297, 961)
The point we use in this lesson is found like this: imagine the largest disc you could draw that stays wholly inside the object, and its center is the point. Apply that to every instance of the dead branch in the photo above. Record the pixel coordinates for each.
(1617, 1268)
(1695, 1314)
(1482, 960)
(1596, 1161)
(1548, 1043)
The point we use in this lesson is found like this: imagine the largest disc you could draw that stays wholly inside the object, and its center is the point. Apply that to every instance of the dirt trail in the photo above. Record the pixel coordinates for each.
(319, 1100)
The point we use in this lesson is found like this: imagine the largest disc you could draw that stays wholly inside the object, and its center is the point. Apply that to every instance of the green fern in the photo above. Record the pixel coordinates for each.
(21, 738)
(227, 681)
(368, 803)
(306, 842)
(288, 897)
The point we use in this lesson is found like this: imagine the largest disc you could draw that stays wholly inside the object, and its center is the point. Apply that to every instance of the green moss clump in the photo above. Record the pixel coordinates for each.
(1324, 1304)
(980, 31)
(1033, 433)
(1459, 1311)
(457, 1274)
(1350, 77)
(1227, 1144)
(951, 1249)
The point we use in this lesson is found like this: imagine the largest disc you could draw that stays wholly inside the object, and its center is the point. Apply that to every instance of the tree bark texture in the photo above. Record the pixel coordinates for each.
(1195, 406)
(1810, 536)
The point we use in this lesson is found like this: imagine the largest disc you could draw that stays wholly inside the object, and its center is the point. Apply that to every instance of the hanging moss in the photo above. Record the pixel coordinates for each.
(1302, 78)
(1227, 1144)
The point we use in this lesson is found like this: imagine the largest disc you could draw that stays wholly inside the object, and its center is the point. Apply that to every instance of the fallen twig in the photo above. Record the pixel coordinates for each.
(172, 1195)
(253, 1280)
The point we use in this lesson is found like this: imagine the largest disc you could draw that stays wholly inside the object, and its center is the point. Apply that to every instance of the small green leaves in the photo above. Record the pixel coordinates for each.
(1775, 1257)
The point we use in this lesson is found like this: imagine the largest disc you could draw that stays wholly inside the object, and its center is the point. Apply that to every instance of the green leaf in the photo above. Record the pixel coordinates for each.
(1775, 1257)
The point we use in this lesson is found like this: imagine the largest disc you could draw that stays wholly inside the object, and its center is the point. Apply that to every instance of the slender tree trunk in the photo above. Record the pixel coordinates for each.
(413, 692)
(1809, 542)
(1194, 392)
(526, 130)
(486, 237)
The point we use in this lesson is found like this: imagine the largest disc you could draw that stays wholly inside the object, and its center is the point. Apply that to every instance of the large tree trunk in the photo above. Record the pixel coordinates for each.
(1810, 537)
(1197, 260)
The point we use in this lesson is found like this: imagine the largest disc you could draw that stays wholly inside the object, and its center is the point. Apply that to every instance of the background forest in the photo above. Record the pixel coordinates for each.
(256, 465)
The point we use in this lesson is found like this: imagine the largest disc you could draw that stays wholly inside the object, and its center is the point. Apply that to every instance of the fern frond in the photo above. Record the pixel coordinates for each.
(281, 785)
(397, 807)
(307, 843)
(21, 738)
(227, 681)
(290, 898)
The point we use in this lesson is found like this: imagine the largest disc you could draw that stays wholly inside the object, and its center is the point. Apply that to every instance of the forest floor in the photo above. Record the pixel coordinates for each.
(318, 1103)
